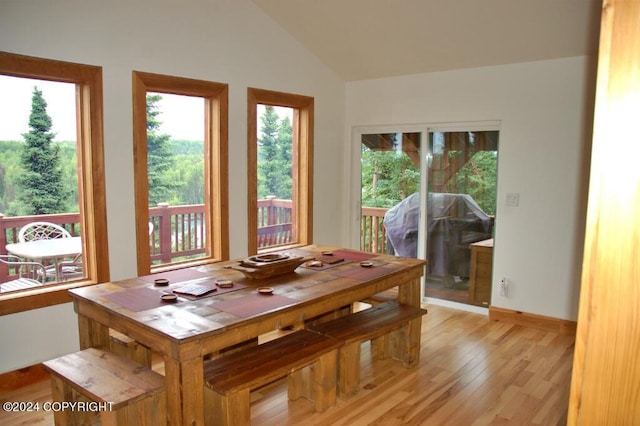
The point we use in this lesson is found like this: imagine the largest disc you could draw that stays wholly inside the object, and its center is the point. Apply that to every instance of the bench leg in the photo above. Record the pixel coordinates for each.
(397, 346)
(316, 382)
(379, 347)
(148, 412)
(412, 355)
(60, 392)
(404, 343)
(299, 384)
(324, 380)
(349, 370)
(227, 410)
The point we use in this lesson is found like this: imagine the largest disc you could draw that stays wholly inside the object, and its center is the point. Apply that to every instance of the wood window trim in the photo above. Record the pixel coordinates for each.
(88, 81)
(216, 163)
(303, 125)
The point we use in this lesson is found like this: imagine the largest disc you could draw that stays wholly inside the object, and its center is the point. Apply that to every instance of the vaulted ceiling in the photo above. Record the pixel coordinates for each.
(364, 39)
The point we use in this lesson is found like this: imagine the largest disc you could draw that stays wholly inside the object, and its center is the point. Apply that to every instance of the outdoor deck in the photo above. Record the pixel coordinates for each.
(178, 231)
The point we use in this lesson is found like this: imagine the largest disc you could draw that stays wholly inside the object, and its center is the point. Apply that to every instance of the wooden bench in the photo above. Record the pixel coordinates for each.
(230, 379)
(393, 328)
(125, 346)
(125, 392)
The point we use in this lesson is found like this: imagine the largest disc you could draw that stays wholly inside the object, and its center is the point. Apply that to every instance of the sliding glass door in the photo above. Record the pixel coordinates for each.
(431, 194)
(461, 205)
(390, 164)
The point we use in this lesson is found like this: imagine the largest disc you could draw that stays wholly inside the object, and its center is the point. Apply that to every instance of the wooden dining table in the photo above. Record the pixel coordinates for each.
(189, 330)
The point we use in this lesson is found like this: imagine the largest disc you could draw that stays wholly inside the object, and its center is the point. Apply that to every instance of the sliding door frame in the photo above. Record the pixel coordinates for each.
(353, 199)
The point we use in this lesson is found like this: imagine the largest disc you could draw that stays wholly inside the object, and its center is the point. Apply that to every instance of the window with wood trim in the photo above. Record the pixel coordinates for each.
(280, 170)
(81, 215)
(181, 171)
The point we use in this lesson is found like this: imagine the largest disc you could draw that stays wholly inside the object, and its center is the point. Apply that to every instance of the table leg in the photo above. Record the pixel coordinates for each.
(92, 333)
(409, 293)
(185, 391)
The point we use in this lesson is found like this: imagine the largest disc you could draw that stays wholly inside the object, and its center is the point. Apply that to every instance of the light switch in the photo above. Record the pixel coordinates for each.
(513, 199)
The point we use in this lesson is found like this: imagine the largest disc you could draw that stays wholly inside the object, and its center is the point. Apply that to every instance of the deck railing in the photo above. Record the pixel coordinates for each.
(178, 232)
(275, 225)
(10, 227)
(373, 235)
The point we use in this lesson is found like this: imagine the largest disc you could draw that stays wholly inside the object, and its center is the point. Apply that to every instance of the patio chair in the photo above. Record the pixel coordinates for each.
(69, 269)
(42, 231)
(30, 274)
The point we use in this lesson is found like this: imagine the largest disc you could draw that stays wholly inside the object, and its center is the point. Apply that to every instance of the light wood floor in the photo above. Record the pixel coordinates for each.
(472, 372)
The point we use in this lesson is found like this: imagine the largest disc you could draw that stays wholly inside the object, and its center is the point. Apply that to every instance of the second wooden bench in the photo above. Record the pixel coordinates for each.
(229, 379)
(393, 328)
(124, 391)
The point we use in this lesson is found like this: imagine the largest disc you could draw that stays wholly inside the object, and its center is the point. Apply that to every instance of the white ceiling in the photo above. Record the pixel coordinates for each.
(364, 39)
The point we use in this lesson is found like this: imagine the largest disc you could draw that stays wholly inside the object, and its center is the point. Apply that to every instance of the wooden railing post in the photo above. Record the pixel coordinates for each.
(164, 219)
(272, 218)
(4, 269)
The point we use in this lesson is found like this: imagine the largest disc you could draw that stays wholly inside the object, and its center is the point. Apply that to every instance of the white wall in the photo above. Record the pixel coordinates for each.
(228, 41)
(545, 114)
(543, 107)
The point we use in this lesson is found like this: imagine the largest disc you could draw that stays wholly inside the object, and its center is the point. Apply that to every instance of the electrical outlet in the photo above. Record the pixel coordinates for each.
(513, 199)
(503, 287)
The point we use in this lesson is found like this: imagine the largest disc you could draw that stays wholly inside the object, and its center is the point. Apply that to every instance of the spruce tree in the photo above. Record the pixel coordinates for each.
(285, 145)
(267, 152)
(41, 190)
(274, 156)
(159, 157)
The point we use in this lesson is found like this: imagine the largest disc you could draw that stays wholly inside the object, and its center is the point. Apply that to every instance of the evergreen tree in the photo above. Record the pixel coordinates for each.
(41, 190)
(285, 144)
(274, 156)
(159, 157)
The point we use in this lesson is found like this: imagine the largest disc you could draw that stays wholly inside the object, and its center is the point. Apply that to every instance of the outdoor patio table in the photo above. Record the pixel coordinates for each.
(186, 331)
(54, 249)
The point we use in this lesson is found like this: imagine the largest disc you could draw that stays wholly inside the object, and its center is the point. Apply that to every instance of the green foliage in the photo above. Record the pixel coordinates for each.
(274, 156)
(188, 172)
(387, 177)
(40, 189)
(159, 157)
(11, 168)
(478, 178)
(176, 167)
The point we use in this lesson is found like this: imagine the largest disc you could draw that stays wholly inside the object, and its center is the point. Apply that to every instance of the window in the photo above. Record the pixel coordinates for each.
(84, 113)
(181, 185)
(280, 167)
